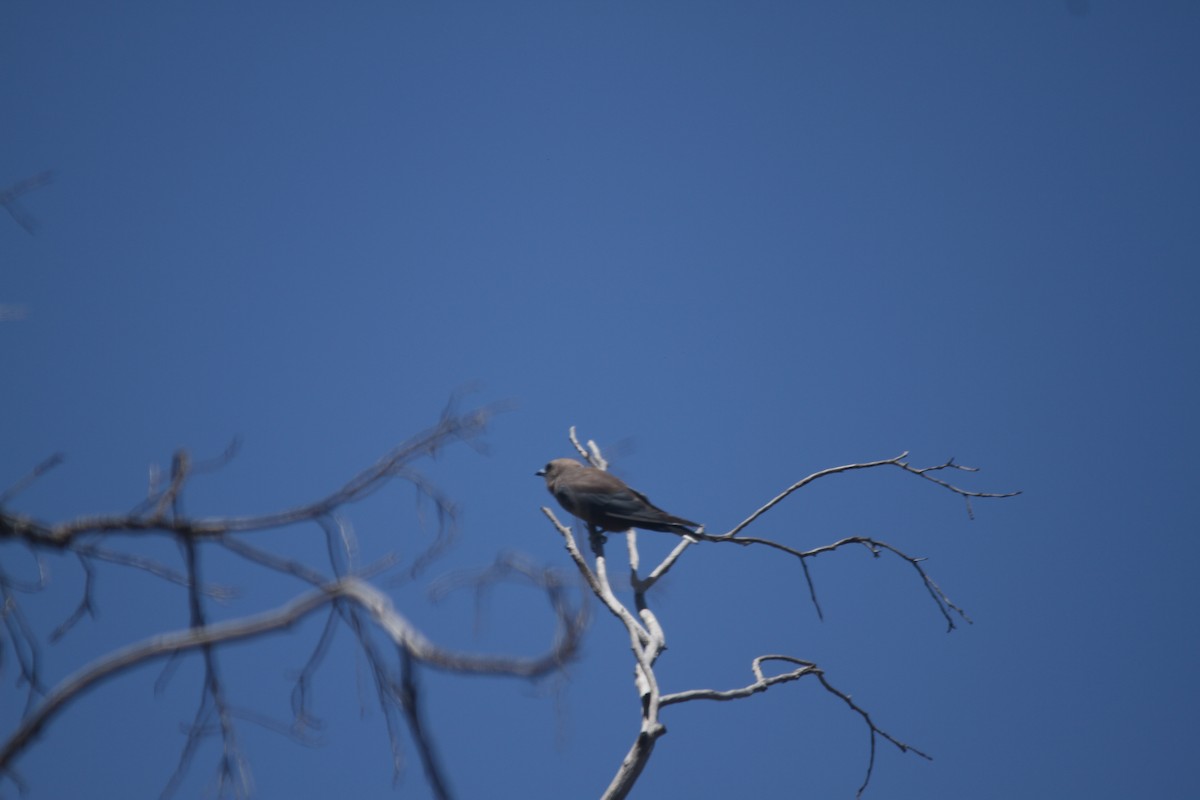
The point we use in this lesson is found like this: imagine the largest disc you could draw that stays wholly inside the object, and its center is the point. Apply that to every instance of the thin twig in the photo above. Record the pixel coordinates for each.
(86, 606)
(216, 591)
(763, 682)
(302, 691)
(41, 469)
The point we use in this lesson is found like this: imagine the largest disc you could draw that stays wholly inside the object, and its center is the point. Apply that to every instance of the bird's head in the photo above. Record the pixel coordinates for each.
(557, 467)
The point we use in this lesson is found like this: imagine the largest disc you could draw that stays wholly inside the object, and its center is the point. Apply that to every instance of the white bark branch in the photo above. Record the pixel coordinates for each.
(648, 639)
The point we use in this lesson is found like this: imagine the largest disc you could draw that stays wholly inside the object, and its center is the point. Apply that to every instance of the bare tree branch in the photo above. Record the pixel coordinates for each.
(393, 648)
(763, 682)
(897, 461)
(86, 606)
(376, 605)
(597, 581)
(41, 469)
(648, 640)
(394, 464)
(25, 647)
(90, 551)
(233, 770)
(340, 588)
(302, 716)
(410, 703)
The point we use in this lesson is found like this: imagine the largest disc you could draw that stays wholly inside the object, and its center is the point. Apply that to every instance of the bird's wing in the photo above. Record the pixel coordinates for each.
(605, 500)
(625, 505)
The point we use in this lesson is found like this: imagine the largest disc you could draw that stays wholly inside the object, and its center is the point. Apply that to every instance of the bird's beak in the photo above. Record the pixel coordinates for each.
(541, 473)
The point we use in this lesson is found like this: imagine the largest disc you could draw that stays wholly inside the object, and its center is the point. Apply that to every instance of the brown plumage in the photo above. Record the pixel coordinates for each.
(605, 501)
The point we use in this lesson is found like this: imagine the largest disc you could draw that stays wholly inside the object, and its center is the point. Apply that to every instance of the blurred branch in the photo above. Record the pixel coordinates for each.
(512, 568)
(410, 703)
(394, 464)
(8, 199)
(361, 595)
(41, 469)
(340, 588)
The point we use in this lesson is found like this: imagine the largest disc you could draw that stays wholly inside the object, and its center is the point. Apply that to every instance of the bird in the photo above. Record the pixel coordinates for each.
(605, 501)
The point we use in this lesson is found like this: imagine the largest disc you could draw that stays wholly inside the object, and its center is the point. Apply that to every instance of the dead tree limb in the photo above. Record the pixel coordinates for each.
(340, 590)
(648, 640)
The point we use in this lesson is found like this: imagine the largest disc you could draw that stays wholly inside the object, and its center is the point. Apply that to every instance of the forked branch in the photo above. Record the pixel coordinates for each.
(339, 589)
(648, 640)
(376, 605)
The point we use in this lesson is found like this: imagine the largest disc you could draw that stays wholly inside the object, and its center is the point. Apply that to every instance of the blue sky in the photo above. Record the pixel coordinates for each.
(735, 244)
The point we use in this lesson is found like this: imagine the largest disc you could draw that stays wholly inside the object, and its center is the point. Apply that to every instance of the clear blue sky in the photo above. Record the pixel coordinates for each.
(735, 243)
